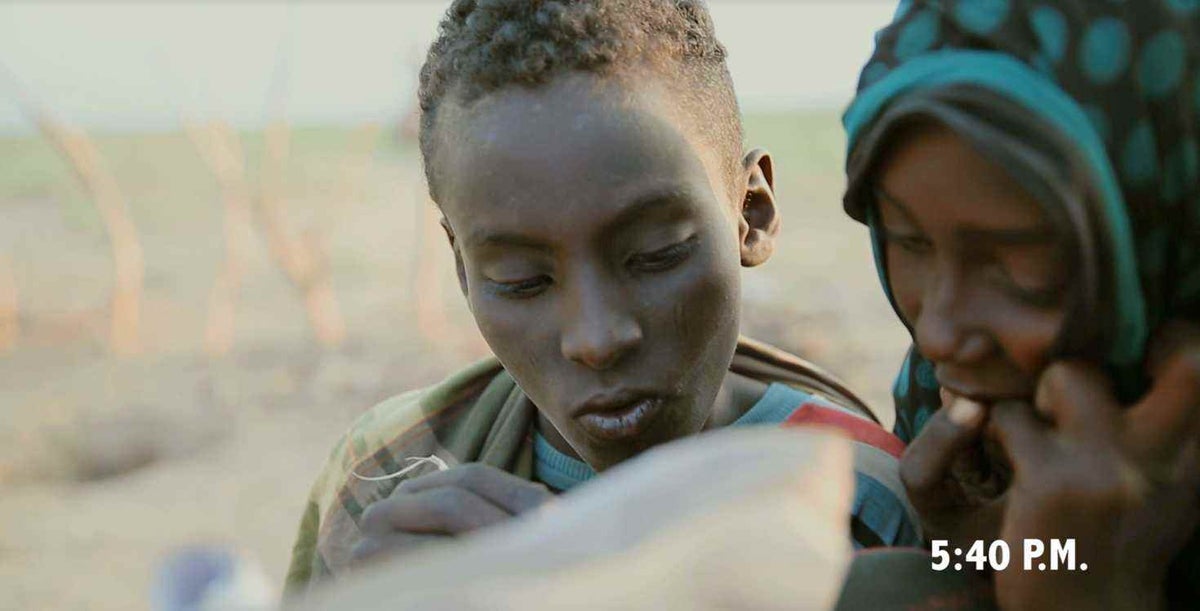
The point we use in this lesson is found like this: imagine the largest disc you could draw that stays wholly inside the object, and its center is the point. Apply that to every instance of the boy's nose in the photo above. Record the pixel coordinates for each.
(598, 331)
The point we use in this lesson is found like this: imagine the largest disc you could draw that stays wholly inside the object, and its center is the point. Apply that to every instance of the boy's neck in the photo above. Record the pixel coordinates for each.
(737, 395)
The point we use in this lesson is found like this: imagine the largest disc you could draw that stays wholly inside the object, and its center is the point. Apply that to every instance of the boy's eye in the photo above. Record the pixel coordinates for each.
(521, 289)
(663, 258)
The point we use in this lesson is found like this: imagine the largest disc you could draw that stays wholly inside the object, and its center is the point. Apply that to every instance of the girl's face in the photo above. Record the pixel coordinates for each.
(974, 264)
(599, 252)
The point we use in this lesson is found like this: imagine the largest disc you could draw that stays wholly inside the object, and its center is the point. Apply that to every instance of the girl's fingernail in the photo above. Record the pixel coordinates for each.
(965, 413)
(946, 396)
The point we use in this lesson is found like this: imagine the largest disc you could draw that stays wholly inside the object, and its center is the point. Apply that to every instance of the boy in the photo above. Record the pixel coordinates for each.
(587, 159)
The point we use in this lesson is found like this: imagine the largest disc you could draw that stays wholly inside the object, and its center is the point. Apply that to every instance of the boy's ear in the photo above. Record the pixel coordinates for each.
(458, 262)
(758, 221)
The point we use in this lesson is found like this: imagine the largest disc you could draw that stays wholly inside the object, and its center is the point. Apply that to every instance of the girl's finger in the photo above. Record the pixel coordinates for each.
(926, 463)
(1025, 438)
(1167, 416)
(1187, 469)
(1169, 339)
(1078, 398)
(982, 523)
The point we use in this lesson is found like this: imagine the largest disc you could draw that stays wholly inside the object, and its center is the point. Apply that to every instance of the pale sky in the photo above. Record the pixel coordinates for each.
(140, 65)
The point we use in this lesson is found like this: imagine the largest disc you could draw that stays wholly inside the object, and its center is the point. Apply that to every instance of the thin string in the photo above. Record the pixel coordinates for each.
(416, 461)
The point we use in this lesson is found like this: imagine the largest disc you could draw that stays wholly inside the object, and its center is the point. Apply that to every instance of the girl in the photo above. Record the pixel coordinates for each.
(1029, 172)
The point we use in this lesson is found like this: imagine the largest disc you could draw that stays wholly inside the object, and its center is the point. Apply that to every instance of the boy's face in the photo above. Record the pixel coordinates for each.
(599, 252)
(975, 266)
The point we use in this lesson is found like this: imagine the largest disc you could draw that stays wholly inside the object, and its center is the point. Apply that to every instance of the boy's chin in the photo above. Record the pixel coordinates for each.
(602, 456)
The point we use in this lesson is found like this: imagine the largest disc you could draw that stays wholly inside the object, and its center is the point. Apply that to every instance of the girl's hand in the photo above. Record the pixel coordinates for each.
(941, 470)
(1122, 482)
(444, 504)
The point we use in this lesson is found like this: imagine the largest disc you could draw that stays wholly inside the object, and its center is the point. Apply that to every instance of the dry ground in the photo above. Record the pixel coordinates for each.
(107, 463)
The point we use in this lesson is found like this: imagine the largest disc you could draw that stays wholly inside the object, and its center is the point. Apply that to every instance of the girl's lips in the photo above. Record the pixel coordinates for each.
(986, 388)
(623, 423)
(948, 395)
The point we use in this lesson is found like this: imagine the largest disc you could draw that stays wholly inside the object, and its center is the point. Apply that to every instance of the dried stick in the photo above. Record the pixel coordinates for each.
(102, 188)
(128, 260)
(10, 327)
(356, 169)
(220, 148)
(304, 261)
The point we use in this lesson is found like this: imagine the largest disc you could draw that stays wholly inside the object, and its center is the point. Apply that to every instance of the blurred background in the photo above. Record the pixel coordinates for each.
(216, 250)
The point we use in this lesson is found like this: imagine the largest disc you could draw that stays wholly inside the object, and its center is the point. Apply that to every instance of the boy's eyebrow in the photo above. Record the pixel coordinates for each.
(671, 197)
(509, 239)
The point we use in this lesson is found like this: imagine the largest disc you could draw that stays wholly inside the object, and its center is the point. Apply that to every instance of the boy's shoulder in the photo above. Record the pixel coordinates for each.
(881, 514)
(405, 419)
(377, 445)
(765, 362)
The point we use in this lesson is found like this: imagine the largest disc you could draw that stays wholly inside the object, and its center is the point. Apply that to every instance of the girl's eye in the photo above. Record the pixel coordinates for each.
(1036, 289)
(663, 258)
(1032, 294)
(916, 245)
(521, 289)
(1038, 298)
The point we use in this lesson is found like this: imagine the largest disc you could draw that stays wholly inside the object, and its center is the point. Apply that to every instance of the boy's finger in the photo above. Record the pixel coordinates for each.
(1023, 436)
(1079, 399)
(371, 548)
(439, 511)
(505, 490)
(1169, 414)
(926, 461)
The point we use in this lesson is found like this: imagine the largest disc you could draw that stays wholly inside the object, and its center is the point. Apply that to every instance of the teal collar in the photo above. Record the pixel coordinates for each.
(563, 472)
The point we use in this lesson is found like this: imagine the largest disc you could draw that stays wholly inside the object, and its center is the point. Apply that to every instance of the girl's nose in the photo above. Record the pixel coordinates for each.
(943, 330)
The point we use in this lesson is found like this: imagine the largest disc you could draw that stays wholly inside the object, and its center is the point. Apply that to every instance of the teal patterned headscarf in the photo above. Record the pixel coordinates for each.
(1114, 87)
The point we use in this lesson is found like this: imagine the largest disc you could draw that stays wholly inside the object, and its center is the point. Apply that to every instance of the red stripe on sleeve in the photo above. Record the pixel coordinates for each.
(859, 429)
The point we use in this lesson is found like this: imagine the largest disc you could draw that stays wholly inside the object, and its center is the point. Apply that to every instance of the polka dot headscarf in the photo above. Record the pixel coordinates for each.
(1120, 80)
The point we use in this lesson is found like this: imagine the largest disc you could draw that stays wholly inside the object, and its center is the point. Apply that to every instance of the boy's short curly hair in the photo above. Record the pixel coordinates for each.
(485, 45)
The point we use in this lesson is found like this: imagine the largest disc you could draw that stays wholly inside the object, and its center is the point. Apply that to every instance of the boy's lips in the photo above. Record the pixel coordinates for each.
(619, 416)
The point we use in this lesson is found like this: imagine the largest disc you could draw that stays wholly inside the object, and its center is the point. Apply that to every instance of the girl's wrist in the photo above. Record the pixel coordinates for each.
(1140, 592)
(1140, 587)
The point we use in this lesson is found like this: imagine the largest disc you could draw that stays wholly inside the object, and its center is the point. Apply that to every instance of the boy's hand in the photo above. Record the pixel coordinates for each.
(1123, 482)
(444, 504)
(935, 471)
